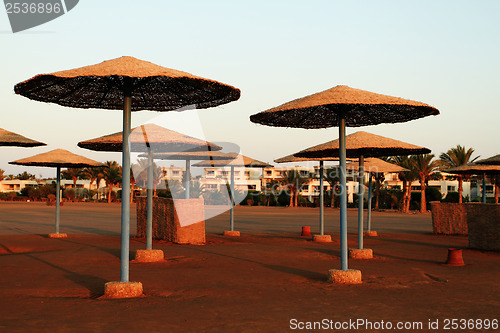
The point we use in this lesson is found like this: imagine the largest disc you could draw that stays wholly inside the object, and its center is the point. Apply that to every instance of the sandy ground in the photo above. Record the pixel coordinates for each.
(259, 282)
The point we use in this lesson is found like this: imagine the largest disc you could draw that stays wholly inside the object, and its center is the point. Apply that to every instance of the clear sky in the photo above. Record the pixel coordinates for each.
(443, 53)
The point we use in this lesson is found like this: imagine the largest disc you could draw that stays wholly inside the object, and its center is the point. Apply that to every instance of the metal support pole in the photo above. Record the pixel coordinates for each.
(125, 219)
(484, 188)
(369, 208)
(149, 202)
(231, 195)
(343, 194)
(188, 178)
(321, 200)
(361, 191)
(58, 197)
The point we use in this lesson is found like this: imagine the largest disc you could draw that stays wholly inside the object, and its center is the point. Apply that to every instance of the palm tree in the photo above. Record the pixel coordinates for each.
(74, 174)
(425, 167)
(112, 175)
(294, 180)
(2, 176)
(456, 157)
(407, 178)
(94, 174)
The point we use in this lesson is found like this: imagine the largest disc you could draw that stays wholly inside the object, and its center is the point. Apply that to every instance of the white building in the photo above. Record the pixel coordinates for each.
(16, 185)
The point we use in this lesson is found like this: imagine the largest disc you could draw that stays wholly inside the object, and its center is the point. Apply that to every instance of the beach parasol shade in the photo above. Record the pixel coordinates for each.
(234, 160)
(475, 169)
(376, 165)
(360, 108)
(158, 138)
(494, 160)
(363, 144)
(12, 139)
(57, 158)
(102, 86)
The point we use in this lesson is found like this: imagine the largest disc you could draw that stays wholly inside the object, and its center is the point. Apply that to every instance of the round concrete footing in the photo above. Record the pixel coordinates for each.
(118, 289)
(58, 235)
(371, 233)
(351, 276)
(149, 255)
(322, 238)
(360, 253)
(231, 233)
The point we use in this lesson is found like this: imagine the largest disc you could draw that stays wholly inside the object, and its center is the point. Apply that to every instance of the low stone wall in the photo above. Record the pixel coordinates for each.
(484, 226)
(182, 223)
(449, 218)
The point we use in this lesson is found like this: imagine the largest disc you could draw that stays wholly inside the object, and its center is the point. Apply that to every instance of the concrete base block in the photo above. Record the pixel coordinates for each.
(232, 233)
(118, 289)
(371, 233)
(322, 238)
(149, 256)
(361, 253)
(58, 235)
(351, 276)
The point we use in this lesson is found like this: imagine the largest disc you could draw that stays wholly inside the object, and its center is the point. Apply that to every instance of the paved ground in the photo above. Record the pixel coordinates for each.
(260, 282)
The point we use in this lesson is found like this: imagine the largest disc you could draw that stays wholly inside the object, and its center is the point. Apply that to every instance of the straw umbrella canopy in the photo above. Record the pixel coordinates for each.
(149, 138)
(494, 160)
(363, 144)
(11, 139)
(343, 106)
(478, 169)
(58, 159)
(127, 84)
(233, 160)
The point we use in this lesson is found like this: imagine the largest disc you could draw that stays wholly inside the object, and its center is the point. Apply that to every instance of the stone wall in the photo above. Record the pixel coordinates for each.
(484, 226)
(449, 218)
(182, 223)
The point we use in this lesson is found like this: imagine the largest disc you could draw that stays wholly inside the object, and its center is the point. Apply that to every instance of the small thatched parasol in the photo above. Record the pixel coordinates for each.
(343, 106)
(494, 160)
(127, 84)
(11, 139)
(233, 160)
(477, 169)
(58, 159)
(376, 165)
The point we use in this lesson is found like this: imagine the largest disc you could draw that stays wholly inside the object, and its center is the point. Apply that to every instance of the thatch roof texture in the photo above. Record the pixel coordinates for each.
(475, 169)
(12, 139)
(188, 156)
(158, 138)
(57, 158)
(360, 107)
(376, 165)
(363, 143)
(102, 86)
(236, 160)
(494, 160)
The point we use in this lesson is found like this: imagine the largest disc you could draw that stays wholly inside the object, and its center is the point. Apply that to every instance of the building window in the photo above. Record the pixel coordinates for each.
(175, 172)
(416, 188)
(210, 173)
(252, 187)
(269, 172)
(451, 188)
(225, 173)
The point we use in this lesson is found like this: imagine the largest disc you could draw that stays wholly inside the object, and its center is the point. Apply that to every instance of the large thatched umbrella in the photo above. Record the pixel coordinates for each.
(127, 84)
(343, 106)
(233, 160)
(11, 139)
(363, 144)
(292, 158)
(372, 166)
(149, 138)
(478, 169)
(58, 159)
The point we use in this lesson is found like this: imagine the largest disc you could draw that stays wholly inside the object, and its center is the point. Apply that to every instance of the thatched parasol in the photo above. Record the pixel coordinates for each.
(477, 169)
(343, 106)
(376, 165)
(127, 84)
(494, 160)
(233, 160)
(11, 139)
(58, 159)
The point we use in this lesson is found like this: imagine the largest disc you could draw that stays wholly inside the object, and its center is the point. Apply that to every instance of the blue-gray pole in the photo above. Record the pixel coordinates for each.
(321, 200)
(149, 202)
(58, 197)
(231, 195)
(369, 208)
(125, 219)
(188, 178)
(343, 194)
(484, 188)
(361, 191)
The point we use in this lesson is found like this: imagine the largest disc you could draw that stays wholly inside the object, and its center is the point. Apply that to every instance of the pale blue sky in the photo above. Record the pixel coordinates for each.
(444, 53)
